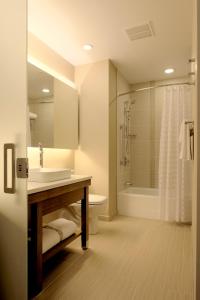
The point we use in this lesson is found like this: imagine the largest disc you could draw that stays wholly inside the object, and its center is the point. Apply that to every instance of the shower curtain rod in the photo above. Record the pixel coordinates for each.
(155, 87)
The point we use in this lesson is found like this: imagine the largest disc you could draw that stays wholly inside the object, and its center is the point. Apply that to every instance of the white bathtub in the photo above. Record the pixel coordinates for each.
(139, 202)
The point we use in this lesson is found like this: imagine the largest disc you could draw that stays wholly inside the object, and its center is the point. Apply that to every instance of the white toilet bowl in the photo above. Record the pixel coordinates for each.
(96, 208)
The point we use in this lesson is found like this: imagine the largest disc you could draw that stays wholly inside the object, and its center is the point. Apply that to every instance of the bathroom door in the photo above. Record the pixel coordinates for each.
(13, 207)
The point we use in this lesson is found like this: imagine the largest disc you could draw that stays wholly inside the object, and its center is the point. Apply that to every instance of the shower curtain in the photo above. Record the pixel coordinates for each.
(175, 175)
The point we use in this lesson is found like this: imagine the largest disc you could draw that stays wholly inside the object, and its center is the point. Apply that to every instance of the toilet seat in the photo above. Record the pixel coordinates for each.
(95, 199)
(96, 208)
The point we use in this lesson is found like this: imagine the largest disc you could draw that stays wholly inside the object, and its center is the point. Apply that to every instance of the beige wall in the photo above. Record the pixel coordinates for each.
(92, 156)
(112, 140)
(97, 153)
(41, 52)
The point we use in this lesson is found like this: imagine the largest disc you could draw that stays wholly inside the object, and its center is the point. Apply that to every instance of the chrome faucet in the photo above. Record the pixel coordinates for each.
(41, 155)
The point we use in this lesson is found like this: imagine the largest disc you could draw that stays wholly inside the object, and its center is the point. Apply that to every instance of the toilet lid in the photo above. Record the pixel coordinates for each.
(96, 199)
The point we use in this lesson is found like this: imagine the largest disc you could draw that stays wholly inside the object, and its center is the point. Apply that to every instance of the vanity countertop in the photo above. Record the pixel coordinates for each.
(35, 187)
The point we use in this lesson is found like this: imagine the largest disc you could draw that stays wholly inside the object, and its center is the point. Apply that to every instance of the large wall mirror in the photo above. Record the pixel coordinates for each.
(53, 111)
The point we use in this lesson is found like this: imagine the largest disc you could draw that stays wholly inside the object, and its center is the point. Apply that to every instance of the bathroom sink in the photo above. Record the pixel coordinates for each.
(48, 174)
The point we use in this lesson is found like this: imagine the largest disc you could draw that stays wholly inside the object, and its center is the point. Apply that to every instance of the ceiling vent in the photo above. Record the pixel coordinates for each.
(140, 32)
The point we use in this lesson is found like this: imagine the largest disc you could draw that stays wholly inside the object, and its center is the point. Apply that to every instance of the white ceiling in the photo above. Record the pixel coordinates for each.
(65, 25)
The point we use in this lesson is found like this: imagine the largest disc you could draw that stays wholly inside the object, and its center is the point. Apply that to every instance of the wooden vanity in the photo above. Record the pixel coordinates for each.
(44, 198)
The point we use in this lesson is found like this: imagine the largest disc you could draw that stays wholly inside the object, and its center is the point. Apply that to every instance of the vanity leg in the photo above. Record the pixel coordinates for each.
(85, 219)
(36, 250)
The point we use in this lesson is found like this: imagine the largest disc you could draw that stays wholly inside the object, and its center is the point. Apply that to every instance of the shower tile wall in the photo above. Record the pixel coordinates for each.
(141, 143)
(145, 146)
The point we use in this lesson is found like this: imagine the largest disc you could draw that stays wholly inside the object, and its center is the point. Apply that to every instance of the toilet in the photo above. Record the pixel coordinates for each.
(96, 208)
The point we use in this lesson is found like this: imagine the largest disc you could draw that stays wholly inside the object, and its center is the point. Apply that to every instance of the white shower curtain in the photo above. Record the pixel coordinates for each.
(175, 175)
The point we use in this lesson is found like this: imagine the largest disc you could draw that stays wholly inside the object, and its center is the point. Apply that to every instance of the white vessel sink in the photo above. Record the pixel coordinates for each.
(48, 174)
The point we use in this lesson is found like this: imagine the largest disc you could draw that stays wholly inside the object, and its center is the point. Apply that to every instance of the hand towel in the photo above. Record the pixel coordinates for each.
(185, 141)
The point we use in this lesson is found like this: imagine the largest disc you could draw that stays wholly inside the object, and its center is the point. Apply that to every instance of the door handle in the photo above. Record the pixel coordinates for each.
(9, 147)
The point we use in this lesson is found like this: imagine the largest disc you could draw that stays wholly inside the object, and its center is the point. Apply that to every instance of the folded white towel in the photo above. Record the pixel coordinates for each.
(63, 227)
(185, 141)
(55, 232)
(49, 239)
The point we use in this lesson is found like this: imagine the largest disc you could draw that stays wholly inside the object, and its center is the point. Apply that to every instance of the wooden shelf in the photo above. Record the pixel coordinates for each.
(51, 252)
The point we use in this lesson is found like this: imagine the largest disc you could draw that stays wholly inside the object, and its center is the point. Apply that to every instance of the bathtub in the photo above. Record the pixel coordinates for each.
(139, 202)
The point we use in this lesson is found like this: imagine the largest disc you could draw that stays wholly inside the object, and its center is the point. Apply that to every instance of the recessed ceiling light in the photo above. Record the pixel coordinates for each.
(88, 47)
(45, 90)
(169, 71)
